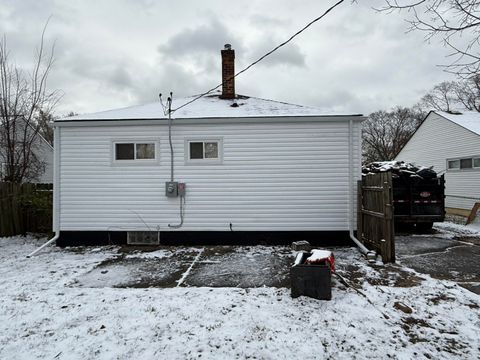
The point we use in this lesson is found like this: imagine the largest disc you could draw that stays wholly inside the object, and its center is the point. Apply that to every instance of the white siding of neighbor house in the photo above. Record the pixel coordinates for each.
(437, 140)
(45, 152)
(273, 176)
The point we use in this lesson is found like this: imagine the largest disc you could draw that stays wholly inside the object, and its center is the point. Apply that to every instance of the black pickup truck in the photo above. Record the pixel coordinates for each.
(418, 193)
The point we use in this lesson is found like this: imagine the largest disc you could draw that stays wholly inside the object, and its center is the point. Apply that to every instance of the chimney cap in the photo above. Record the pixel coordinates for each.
(228, 47)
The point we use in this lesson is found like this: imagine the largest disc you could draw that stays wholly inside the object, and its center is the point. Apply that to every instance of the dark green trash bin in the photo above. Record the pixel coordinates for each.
(313, 280)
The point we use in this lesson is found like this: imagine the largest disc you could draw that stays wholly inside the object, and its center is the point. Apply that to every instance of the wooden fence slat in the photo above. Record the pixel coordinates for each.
(25, 208)
(375, 214)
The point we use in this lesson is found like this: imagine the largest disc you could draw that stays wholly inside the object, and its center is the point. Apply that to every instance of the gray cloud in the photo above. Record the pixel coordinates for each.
(119, 53)
(207, 38)
(263, 20)
(290, 54)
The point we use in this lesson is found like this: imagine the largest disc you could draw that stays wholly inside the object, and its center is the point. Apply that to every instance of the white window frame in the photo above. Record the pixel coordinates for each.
(473, 164)
(204, 161)
(135, 161)
(477, 168)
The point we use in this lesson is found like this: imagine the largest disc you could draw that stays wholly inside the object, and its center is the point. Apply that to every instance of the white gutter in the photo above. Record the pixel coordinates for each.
(371, 255)
(56, 192)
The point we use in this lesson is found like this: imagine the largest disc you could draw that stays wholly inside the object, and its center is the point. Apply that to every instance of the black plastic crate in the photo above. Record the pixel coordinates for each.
(313, 280)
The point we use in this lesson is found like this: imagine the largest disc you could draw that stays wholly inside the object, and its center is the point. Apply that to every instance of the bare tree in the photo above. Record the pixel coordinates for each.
(468, 93)
(24, 104)
(456, 22)
(442, 97)
(386, 132)
(45, 122)
(454, 95)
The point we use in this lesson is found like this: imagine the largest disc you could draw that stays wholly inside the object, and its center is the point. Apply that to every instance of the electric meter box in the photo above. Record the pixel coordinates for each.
(171, 189)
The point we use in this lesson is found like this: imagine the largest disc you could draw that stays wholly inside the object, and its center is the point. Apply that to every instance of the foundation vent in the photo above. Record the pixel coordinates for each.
(143, 237)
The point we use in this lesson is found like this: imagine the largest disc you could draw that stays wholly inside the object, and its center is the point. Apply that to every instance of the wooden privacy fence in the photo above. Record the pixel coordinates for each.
(25, 208)
(375, 214)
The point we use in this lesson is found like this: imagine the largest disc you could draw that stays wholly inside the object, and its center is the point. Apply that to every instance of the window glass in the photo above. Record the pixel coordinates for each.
(145, 151)
(196, 150)
(454, 164)
(211, 150)
(466, 163)
(124, 152)
(476, 162)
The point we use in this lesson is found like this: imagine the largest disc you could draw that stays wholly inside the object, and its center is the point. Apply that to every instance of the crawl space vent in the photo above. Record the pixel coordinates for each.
(143, 238)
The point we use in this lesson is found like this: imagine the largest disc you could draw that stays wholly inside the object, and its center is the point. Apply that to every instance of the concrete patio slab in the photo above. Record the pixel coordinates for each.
(161, 268)
(242, 267)
(210, 266)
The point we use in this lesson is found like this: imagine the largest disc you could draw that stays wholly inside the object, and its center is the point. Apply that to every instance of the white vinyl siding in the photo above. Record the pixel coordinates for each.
(439, 140)
(273, 177)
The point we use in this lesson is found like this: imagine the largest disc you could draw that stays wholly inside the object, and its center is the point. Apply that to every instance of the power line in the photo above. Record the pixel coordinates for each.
(264, 56)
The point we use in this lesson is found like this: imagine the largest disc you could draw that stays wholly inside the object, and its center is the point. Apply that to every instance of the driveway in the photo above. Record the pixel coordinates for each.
(447, 253)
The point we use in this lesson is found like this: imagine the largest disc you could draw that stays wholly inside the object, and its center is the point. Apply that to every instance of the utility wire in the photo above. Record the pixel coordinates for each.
(264, 56)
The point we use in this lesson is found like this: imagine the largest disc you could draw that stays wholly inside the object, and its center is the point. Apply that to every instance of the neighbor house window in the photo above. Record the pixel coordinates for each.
(134, 151)
(466, 163)
(476, 162)
(453, 164)
(204, 151)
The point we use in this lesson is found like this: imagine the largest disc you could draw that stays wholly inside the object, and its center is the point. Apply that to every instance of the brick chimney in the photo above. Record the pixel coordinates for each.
(228, 73)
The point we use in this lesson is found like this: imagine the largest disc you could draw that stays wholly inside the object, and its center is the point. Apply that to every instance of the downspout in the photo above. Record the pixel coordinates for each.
(56, 193)
(351, 213)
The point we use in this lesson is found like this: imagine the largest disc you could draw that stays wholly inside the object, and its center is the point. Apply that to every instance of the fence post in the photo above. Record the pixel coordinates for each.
(389, 252)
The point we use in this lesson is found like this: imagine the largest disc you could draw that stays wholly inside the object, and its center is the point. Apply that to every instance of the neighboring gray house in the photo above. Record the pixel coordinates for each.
(254, 170)
(43, 151)
(451, 143)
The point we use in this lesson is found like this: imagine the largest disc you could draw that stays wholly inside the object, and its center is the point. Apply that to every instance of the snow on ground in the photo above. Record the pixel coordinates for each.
(450, 229)
(44, 314)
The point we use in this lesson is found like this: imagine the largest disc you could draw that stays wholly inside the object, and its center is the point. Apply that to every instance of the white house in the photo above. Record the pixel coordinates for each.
(242, 169)
(451, 143)
(42, 151)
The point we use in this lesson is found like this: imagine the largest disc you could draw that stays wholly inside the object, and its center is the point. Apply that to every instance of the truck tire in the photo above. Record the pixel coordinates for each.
(402, 227)
(424, 226)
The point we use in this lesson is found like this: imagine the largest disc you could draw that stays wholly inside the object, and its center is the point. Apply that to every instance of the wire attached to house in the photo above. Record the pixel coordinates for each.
(169, 104)
(182, 214)
(164, 107)
(263, 56)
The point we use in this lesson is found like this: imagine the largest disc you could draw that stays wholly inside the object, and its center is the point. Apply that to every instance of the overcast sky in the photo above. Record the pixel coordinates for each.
(118, 53)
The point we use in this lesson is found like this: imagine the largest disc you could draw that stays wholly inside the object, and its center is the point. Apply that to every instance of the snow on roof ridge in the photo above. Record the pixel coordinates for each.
(282, 102)
(208, 107)
(467, 119)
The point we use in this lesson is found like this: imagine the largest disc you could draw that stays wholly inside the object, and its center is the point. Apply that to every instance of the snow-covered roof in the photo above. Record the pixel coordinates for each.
(468, 119)
(210, 106)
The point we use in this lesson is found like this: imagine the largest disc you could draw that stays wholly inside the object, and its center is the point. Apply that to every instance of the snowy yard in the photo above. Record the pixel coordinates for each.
(53, 306)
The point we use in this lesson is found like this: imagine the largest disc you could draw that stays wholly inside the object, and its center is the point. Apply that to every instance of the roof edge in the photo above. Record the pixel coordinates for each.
(446, 118)
(212, 120)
